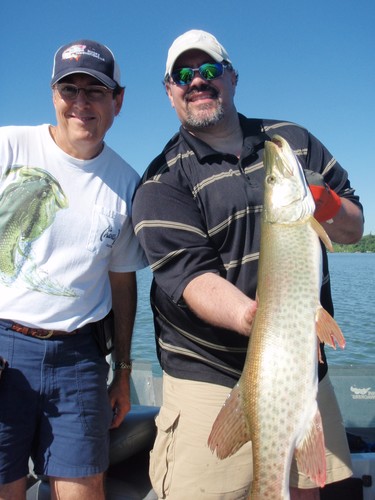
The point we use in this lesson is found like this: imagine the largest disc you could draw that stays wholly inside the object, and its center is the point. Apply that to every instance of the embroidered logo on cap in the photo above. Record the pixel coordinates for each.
(76, 51)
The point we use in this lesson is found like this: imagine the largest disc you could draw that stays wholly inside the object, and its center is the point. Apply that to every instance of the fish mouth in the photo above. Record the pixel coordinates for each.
(278, 157)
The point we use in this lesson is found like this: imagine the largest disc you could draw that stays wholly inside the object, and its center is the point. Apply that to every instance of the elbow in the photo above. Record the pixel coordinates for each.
(355, 236)
(350, 224)
(357, 229)
(353, 233)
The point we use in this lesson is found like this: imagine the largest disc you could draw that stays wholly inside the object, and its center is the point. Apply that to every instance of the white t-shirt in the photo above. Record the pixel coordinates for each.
(64, 223)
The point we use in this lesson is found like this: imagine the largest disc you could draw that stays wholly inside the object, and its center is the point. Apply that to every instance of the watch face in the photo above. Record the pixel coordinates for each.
(121, 365)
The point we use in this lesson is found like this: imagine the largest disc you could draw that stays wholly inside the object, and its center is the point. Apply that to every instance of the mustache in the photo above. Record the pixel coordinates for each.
(204, 87)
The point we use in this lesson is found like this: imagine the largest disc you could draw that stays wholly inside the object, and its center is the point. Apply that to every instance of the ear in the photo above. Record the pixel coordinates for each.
(234, 80)
(118, 100)
(54, 97)
(169, 93)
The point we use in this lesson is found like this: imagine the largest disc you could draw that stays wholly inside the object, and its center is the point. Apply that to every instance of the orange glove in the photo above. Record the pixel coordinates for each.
(327, 202)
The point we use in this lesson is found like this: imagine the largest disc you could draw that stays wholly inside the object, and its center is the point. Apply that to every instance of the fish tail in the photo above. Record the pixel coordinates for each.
(310, 454)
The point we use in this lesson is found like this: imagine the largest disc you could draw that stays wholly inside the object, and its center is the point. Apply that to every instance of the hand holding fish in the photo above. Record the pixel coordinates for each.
(327, 202)
(348, 218)
(248, 318)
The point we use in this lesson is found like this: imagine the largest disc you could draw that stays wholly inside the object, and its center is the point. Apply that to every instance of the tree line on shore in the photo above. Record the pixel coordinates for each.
(365, 245)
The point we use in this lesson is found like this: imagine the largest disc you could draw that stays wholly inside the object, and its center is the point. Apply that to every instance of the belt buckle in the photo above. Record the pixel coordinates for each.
(46, 336)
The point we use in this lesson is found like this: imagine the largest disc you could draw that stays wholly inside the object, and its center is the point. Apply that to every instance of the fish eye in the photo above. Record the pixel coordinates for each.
(271, 179)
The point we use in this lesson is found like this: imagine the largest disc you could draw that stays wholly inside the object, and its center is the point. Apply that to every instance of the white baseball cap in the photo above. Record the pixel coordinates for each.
(195, 39)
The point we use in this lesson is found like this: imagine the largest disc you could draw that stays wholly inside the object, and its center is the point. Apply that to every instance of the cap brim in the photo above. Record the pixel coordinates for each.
(197, 46)
(108, 82)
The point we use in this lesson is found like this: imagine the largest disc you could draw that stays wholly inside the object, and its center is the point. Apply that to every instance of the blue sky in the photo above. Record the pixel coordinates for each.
(311, 62)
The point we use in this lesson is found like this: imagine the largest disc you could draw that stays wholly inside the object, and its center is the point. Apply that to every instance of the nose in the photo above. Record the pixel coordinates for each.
(81, 95)
(197, 75)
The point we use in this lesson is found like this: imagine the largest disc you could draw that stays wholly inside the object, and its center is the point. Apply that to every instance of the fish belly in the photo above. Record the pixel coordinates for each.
(279, 381)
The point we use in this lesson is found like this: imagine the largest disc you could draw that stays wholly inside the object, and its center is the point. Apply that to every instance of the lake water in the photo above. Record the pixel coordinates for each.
(353, 290)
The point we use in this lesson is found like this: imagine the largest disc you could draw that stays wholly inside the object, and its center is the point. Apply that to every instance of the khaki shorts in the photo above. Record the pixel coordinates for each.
(183, 467)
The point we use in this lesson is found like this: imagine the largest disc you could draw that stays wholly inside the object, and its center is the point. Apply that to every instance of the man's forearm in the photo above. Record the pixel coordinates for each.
(124, 304)
(218, 302)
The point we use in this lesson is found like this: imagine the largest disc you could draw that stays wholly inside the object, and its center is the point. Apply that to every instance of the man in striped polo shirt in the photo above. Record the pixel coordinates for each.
(197, 216)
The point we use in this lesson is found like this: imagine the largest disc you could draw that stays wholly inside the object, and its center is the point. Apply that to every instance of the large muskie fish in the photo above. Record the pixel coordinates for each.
(274, 403)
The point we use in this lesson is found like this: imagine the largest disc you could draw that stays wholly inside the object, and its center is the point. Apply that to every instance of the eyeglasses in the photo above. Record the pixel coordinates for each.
(208, 71)
(93, 93)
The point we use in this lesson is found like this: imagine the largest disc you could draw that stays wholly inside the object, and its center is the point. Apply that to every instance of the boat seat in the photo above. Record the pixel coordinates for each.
(136, 433)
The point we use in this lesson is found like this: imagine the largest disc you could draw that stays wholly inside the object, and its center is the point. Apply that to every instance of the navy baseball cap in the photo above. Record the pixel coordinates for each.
(89, 57)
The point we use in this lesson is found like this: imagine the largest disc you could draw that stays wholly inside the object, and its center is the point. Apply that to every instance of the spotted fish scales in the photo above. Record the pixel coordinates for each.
(274, 403)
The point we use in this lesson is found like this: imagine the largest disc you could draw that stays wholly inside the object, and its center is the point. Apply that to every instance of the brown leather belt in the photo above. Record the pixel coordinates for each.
(39, 332)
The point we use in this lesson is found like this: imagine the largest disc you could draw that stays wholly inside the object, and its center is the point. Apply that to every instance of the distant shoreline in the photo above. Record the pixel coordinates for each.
(365, 245)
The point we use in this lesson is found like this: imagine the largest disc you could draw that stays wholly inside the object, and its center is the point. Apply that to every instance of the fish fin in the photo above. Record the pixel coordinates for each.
(328, 330)
(310, 453)
(229, 431)
(319, 229)
(320, 357)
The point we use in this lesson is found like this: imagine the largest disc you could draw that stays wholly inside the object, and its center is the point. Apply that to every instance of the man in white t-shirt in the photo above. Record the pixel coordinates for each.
(68, 256)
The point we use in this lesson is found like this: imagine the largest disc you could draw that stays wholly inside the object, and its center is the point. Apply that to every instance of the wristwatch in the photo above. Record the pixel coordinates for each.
(121, 365)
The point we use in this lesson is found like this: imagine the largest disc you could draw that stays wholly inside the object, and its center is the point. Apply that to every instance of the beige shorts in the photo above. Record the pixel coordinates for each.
(183, 467)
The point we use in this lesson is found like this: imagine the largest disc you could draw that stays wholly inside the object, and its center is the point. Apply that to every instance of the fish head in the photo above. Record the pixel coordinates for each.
(287, 197)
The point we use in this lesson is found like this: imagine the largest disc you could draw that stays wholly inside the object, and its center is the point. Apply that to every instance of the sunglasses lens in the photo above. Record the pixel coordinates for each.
(183, 76)
(210, 71)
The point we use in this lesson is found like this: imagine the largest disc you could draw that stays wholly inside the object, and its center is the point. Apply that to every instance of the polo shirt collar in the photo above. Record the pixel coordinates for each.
(253, 132)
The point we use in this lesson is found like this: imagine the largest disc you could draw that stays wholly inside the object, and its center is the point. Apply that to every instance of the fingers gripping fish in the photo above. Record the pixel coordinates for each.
(274, 403)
